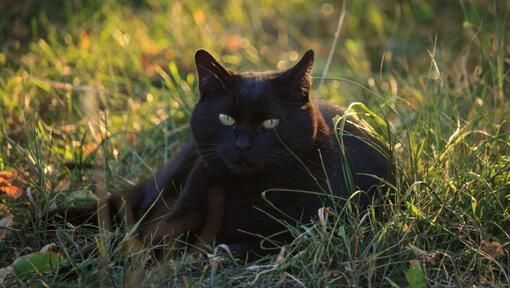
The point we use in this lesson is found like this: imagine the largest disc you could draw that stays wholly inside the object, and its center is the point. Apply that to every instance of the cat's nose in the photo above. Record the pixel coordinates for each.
(243, 142)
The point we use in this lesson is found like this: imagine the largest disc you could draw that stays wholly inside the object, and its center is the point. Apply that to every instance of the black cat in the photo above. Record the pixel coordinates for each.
(251, 133)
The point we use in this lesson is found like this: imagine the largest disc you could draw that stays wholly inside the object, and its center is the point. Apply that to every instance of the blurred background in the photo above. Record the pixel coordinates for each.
(122, 50)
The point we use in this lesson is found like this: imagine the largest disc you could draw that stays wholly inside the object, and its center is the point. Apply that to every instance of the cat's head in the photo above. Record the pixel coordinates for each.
(248, 122)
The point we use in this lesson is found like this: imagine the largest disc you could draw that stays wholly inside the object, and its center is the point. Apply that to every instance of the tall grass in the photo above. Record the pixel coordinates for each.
(104, 89)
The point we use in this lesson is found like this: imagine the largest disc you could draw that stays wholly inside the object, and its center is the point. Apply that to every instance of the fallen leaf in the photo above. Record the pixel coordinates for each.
(281, 256)
(84, 40)
(10, 184)
(46, 260)
(50, 247)
(234, 43)
(333, 274)
(415, 276)
(199, 16)
(39, 262)
(63, 184)
(493, 248)
(416, 251)
(4, 272)
(89, 148)
(425, 255)
(215, 261)
(324, 213)
(5, 225)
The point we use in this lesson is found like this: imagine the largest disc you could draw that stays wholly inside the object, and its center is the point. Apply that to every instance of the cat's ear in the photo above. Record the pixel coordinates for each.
(299, 76)
(212, 76)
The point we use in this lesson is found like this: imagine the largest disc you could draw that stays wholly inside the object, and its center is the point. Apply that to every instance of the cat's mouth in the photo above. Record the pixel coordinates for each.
(243, 166)
(243, 163)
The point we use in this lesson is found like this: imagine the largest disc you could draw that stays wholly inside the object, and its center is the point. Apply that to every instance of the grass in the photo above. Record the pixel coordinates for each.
(103, 90)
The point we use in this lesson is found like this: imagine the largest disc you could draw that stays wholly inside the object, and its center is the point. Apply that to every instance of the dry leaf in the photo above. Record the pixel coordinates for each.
(4, 272)
(234, 43)
(199, 16)
(281, 256)
(10, 184)
(416, 251)
(84, 40)
(49, 247)
(493, 248)
(324, 213)
(333, 274)
(5, 224)
(216, 262)
(428, 256)
(63, 184)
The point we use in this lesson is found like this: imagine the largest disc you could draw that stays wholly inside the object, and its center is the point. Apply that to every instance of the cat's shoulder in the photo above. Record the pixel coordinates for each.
(328, 110)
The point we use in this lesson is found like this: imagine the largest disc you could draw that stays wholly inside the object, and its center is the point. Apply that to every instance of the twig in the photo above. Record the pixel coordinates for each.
(67, 86)
(8, 228)
(333, 46)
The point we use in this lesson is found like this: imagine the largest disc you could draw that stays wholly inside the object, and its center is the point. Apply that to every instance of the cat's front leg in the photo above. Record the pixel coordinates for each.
(213, 220)
(189, 212)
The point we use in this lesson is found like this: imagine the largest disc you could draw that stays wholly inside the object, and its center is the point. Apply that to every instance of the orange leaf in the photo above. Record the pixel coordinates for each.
(10, 184)
(84, 40)
(199, 16)
(493, 248)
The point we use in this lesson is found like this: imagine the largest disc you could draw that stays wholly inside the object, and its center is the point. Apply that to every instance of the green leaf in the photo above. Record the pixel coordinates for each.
(467, 25)
(415, 276)
(392, 283)
(474, 204)
(41, 84)
(39, 262)
(362, 107)
(416, 211)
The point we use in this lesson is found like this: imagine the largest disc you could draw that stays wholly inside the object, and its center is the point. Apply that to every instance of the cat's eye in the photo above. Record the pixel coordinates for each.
(226, 120)
(270, 123)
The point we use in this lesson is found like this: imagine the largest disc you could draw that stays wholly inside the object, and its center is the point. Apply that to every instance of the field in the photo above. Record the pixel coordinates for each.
(97, 94)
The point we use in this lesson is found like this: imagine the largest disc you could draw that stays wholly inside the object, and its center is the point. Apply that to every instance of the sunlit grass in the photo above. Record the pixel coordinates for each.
(103, 90)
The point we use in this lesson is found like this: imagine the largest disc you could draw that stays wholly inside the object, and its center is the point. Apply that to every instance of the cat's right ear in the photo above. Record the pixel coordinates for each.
(212, 76)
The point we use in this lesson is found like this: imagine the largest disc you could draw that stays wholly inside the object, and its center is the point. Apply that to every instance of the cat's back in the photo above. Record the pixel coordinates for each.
(368, 157)
(329, 111)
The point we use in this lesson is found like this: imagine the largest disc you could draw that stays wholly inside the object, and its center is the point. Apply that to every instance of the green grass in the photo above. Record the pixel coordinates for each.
(111, 84)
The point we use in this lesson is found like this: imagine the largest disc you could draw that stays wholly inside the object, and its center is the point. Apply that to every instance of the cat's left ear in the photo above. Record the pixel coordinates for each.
(300, 76)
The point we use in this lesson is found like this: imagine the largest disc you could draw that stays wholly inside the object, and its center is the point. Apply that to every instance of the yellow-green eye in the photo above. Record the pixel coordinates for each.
(226, 120)
(270, 123)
